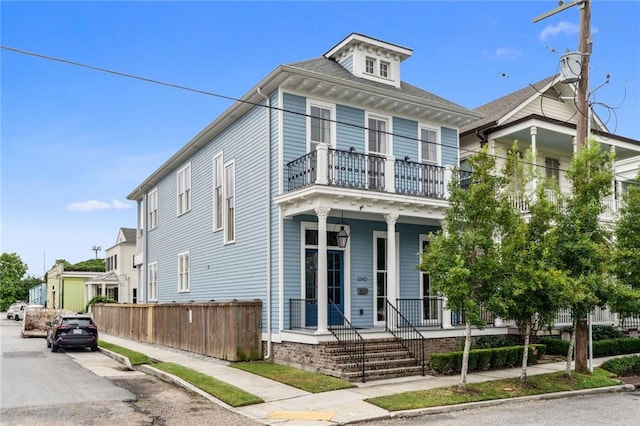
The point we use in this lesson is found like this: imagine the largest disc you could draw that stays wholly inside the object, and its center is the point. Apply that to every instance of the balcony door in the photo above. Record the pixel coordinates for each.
(378, 149)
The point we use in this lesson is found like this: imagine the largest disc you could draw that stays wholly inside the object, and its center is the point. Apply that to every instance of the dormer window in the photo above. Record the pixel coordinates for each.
(370, 65)
(384, 69)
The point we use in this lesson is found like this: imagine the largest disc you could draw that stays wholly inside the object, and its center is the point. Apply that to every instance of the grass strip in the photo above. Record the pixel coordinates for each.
(136, 358)
(225, 392)
(305, 380)
(496, 389)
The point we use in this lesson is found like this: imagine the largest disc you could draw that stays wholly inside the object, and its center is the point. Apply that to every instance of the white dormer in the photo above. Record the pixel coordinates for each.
(369, 58)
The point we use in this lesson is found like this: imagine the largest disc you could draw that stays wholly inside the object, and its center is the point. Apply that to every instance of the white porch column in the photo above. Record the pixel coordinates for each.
(322, 163)
(390, 174)
(533, 131)
(575, 145)
(392, 267)
(448, 175)
(104, 289)
(323, 292)
(446, 315)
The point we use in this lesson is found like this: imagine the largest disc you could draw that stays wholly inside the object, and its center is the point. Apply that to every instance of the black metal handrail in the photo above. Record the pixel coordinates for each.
(426, 180)
(348, 337)
(424, 312)
(302, 171)
(457, 318)
(406, 333)
(297, 311)
(350, 169)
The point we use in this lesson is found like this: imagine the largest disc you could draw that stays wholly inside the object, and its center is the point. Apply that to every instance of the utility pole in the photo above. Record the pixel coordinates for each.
(582, 132)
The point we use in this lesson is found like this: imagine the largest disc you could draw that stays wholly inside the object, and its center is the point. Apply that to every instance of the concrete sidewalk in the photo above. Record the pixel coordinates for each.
(286, 404)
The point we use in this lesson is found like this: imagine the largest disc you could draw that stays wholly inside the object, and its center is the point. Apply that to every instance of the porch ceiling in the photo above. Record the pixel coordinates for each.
(361, 204)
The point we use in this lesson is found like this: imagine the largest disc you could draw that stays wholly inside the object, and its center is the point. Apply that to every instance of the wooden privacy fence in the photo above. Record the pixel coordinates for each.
(225, 330)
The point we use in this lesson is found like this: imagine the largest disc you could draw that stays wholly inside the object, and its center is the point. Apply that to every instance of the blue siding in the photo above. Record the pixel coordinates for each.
(294, 127)
(405, 135)
(449, 147)
(275, 216)
(292, 265)
(347, 135)
(347, 63)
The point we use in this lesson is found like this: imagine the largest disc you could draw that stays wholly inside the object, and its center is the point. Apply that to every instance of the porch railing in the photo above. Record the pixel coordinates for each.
(426, 180)
(406, 333)
(302, 171)
(425, 312)
(303, 314)
(458, 318)
(600, 316)
(348, 337)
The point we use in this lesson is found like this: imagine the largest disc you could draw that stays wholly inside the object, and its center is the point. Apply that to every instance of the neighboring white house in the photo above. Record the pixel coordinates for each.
(120, 280)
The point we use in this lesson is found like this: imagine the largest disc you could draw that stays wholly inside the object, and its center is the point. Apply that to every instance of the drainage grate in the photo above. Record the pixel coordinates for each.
(22, 354)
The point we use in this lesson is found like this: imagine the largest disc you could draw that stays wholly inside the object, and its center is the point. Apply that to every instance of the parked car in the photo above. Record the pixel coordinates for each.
(72, 331)
(14, 308)
(19, 315)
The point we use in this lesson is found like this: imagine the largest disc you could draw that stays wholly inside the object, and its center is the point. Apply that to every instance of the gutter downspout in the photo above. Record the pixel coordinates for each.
(269, 331)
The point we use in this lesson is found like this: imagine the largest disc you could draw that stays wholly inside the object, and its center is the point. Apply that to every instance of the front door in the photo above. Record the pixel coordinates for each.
(335, 287)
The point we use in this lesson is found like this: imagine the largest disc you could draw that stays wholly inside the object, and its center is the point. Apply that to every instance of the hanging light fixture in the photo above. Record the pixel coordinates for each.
(342, 235)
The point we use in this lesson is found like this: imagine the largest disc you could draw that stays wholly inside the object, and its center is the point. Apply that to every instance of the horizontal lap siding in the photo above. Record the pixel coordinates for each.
(449, 147)
(405, 134)
(217, 271)
(294, 129)
(275, 216)
(350, 128)
(292, 265)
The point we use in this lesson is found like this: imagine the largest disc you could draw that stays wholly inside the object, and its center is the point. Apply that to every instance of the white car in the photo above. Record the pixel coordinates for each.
(14, 309)
(23, 310)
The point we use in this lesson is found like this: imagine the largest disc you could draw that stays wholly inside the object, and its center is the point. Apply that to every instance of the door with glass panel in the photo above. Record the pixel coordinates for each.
(380, 274)
(431, 302)
(335, 287)
(377, 144)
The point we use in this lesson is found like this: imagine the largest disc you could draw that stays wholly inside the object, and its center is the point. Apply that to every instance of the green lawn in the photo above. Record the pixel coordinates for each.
(497, 389)
(307, 381)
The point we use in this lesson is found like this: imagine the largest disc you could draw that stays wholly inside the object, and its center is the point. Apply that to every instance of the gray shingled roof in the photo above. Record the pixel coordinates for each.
(497, 109)
(331, 68)
(129, 234)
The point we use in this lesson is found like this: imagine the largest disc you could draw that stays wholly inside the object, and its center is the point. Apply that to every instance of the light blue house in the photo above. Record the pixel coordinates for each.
(314, 193)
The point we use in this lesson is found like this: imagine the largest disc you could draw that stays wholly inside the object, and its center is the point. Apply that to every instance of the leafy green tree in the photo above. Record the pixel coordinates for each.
(533, 290)
(464, 258)
(582, 242)
(91, 265)
(12, 269)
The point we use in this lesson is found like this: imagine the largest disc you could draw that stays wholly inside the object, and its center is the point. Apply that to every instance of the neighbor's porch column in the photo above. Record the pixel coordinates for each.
(392, 267)
(446, 315)
(323, 292)
(533, 131)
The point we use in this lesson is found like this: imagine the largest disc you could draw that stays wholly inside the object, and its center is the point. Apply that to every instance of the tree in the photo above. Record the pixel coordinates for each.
(582, 242)
(12, 269)
(463, 258)
(91, 265)
(626, 265)
(533, 290)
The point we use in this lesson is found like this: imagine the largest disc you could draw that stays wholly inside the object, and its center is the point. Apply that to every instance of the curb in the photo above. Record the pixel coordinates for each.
(116, 356)
(496, 402)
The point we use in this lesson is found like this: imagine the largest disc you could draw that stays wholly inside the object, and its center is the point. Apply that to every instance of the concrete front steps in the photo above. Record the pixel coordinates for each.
(384, 359)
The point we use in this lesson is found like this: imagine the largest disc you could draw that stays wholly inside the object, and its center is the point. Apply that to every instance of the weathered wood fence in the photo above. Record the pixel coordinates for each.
(225, 330)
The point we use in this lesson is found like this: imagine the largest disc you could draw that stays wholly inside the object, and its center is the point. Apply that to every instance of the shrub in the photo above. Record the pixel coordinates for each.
(98, 299)
(629, 345)
(482, 359)
(491, 341)
(605, 332)
(555, 346)
(623, 366)
(605, 347)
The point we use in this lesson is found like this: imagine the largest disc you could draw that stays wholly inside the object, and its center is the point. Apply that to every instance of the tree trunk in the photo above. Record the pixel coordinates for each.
(581, 347)
(567, 371)
(525, 354)
(462, 384)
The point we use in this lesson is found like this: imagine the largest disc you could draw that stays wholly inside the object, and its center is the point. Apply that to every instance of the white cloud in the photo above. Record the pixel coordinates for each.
(562, 27)
(504, 53)
(94, 205)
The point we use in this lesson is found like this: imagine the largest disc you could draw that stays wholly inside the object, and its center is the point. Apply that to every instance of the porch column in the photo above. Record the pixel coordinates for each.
(323, 292)
(392, 268)
(446, 315)
(533, 131)
(575, 146)
(390, 174)
(104, 289)
(322, 163)
(448, 175)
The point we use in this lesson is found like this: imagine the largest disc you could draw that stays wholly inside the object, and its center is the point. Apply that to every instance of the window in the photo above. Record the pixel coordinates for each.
(377, 136)
(183, 272)
(115, 262)
(152, 281)
(384, 69)
(428, 146)
(320, 126)
(230, 203)
(152, 207)
(552, 169)
(217, 192)
(184, 189)
(369, 65)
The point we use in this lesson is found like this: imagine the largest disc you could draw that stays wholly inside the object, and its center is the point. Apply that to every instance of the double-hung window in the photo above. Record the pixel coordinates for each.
(152, 208)
(184, 189)
(384, 69)
(183, 272)
(218, 180)
(378, 148)
(320, 126)
(377, 136)
(230, 203)
(369, 65)
(152, 281)
(428, 146)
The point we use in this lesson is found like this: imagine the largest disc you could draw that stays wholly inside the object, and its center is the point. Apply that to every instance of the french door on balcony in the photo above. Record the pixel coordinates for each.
(335, 287)
(378, 148)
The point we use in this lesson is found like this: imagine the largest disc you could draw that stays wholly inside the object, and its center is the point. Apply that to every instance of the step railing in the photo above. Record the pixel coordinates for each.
(348, 337)
(406, 333)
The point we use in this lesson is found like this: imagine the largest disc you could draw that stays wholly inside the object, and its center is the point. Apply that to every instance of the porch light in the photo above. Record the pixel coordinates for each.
(342, 237)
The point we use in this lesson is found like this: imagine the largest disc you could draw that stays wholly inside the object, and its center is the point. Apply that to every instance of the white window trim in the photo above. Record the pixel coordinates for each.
(182, 286)
(152, 208)
(220, 158)
(375, 65)
(376, 235)
(187, 171)
(388, 64)
(225, 211)
(152, 285)
(389, 131)
(438, 143)
(332, 117)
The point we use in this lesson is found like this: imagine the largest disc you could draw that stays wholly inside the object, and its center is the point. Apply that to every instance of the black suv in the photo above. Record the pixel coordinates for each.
(72, 331)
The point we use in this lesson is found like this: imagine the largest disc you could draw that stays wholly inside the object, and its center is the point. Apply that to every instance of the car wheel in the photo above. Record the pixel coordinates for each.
(94, 348)
(17, 318)
(54, 348)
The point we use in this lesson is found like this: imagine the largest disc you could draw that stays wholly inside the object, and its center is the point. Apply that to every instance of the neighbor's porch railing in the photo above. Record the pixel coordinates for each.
(458, 319)
(600, 316)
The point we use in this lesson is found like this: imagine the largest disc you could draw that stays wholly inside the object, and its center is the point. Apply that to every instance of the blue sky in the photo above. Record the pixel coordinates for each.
(76, 141)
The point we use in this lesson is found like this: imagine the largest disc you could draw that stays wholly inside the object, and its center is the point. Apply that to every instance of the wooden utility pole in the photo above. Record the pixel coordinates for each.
(582, 133)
